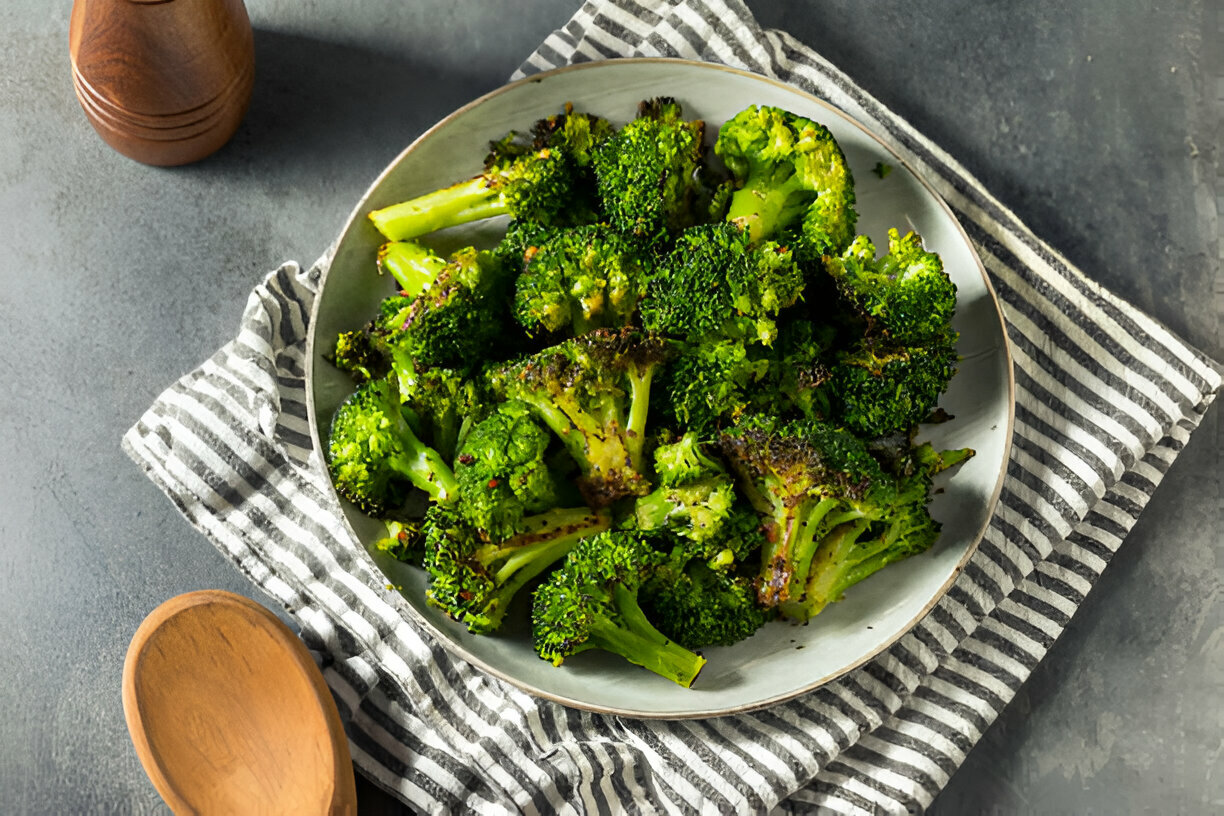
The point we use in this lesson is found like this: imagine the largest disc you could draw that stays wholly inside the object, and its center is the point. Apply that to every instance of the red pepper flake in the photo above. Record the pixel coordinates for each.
(493, 483)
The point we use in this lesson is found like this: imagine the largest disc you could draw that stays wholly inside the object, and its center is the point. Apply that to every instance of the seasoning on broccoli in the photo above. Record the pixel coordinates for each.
(591, 602)
(473, 578)
(593, 392)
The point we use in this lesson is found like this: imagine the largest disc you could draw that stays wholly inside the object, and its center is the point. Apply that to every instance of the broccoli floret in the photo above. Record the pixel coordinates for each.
(442, 401)
(695, 496)
(711, 382)
(578, 279)
(795, 472)
(877, 389)
(905, 295)
(357, 353)
(404, 541)
(502, 472)
(579, 134)
(698, 606)
(473, 579)
(791, 172)
(536, 185)
(456, 321)
(861, 536)
(413, 266)
(591, 602)
(593, 391)
(373, 455)
(715, 283)
(797, 381)
(647, 173)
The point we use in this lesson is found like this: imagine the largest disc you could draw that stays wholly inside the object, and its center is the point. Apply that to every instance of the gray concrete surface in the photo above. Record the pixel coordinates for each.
(1096, 122)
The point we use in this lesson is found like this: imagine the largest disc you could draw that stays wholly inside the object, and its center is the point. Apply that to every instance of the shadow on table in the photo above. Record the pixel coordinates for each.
(337, 114)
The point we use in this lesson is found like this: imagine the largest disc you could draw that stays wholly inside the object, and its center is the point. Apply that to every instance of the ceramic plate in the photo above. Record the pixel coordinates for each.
(782, 660)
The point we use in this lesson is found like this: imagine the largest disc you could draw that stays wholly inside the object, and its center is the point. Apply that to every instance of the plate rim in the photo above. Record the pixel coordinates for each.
(357, 215)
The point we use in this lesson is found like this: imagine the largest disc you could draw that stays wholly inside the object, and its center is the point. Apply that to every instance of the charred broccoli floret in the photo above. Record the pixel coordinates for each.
(374, 456)
(695, 496)
(473, 578)
(647, 173)
(502, 472)
(454, 322)
(877, 389)
(794, 472)
(578, 279)
(791, 171)
(593, 391)
(904, 295)
(591, 602)
(441, 401)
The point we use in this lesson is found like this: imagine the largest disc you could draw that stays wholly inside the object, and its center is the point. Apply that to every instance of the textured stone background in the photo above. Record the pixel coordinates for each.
(1095, 121)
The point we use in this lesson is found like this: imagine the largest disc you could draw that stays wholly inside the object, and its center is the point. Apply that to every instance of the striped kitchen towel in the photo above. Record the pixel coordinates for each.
(1106, 398)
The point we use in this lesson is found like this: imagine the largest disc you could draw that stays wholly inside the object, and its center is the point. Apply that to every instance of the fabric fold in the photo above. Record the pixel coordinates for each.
(1106, 398)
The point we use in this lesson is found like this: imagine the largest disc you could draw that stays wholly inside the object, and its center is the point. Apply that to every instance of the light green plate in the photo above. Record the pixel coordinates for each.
(782, 660)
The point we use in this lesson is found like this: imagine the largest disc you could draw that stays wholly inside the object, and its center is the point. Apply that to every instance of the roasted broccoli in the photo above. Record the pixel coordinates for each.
(456, 321)
(593, 391)
(795, 472)
(791, 172)
(862, 535)
(715, 284)
(440, 402)
(695, 496)
(697, 606)
(647, 173)
(591, 602)
(502, 471)
(905, 295)
(578, 279)
(374, 456)
(473, 578)
(876, 389)
(537, 185)
(413, 266)
(404, 541)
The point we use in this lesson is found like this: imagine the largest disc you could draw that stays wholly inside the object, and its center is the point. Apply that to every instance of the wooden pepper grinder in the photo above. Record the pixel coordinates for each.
(164, 82)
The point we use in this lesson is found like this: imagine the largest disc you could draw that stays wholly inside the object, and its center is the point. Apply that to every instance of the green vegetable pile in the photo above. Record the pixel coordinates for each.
(678, 399)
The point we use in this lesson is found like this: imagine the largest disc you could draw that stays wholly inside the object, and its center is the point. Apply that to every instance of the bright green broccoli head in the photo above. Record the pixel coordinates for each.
(646, 174)
(473, 579)
(454, 322)
(879, 390)
(502, 472)
(697, 606)
(905, 295)
(593, 391)
(684, 461)
(711, 383)
(591, 602)
(579, 279)
(791, 171)
(715, 283)
(374, 457)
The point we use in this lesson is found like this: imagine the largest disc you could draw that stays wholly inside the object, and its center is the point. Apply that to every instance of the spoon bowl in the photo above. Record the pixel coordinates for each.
(229, 713)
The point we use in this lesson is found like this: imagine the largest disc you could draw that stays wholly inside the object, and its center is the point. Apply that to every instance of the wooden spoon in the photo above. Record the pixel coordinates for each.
(229, 713)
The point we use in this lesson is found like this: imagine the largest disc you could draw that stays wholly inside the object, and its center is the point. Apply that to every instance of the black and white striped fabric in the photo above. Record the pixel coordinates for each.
(1106, 398)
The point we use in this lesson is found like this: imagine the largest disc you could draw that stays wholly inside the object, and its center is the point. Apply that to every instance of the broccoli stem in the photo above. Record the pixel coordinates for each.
(550, 537)
(639, 406)
(470, 200)
(413, 266)
(812, 531)
(425, 468)
(836, 566)
(761, 205)
(642, 644)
